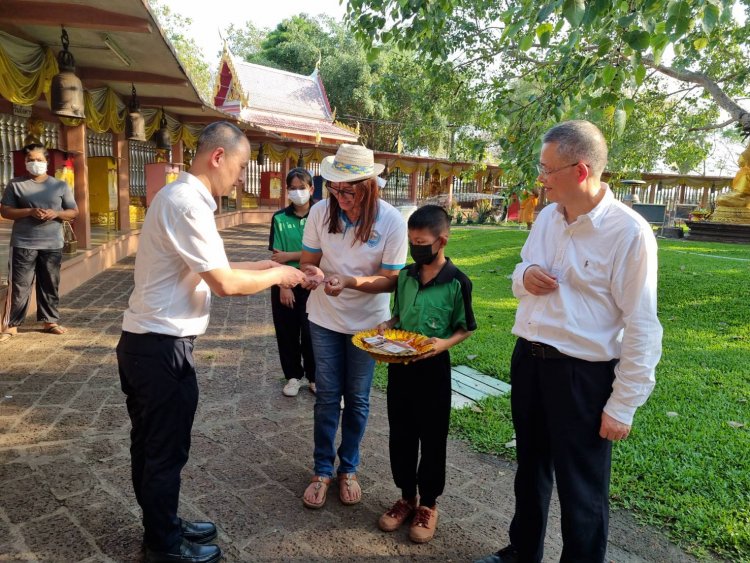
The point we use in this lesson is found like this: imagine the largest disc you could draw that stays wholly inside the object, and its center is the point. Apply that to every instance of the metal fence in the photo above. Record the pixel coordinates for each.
(141, 154)
(13, 130)
(99, 144)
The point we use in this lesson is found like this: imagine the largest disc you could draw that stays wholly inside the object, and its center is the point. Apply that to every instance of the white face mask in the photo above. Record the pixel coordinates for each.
(299, 197)
(36, 168)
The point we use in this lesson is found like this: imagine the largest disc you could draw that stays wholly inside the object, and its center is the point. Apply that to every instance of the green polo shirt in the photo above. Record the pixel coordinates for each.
(437, 309)
(286, 232)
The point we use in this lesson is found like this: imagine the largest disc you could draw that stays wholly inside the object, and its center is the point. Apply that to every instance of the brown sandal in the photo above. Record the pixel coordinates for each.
(349, 482)
(317, 482)
(55, 329)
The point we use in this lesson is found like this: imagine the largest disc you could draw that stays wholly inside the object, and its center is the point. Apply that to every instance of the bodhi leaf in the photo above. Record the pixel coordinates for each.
(639, 40)
(620, 119)
(573, 11)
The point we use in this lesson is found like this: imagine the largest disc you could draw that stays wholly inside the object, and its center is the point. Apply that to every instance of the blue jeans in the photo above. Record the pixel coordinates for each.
(340, 369)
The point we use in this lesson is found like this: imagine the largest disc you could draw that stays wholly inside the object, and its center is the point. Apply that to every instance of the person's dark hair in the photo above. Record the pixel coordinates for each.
(220, 134)
(366, 197)
(580, 141)
(432, 217)
(300, 174)
(34, 147)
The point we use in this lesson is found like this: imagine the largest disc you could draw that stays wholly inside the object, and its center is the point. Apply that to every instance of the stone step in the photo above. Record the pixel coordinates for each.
(470, 386)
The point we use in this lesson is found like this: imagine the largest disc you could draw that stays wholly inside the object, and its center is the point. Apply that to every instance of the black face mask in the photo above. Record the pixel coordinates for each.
(422, 254)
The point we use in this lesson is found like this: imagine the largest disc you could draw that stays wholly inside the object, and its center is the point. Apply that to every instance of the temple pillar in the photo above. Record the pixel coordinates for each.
(121, 150)
(75, 144)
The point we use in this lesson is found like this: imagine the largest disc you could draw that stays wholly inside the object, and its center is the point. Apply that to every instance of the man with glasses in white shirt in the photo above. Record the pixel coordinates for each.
(588, 344)
(180, 261)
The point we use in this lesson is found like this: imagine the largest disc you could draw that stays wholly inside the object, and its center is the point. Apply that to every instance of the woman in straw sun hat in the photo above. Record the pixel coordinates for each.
(353, 247)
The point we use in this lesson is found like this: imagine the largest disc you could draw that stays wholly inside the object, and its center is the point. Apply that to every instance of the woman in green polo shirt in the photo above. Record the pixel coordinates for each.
(288, 306)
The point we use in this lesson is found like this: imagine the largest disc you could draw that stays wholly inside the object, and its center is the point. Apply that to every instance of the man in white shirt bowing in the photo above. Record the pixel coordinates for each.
(180, 261)
(588, 344)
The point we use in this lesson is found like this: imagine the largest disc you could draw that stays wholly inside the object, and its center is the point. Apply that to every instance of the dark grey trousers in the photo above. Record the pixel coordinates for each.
(26, 264)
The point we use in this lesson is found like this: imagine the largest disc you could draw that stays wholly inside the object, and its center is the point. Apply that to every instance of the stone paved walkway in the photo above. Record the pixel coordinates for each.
(65, 492)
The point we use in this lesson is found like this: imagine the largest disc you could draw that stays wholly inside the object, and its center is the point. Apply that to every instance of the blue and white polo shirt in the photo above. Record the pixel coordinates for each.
(353, 310)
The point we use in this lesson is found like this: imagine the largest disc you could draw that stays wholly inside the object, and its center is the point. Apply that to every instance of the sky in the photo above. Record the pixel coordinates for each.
(262, 13)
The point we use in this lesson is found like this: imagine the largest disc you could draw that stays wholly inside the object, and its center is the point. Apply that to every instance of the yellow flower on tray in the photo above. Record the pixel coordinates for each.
(395, 346)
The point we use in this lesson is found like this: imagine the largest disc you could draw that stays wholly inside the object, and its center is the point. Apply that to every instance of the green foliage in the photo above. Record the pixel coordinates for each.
(685, 472)
(245, 41)
(543, 63)
(190, 55)
(386, 92)
(483, 209)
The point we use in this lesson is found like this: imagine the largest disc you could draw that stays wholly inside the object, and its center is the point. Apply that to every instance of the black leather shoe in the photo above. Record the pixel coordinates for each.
(198, 532)
(185, 552)
(508, 554)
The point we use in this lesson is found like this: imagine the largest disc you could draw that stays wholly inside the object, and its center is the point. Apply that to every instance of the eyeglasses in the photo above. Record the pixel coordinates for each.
(544, 172)
(340, 192)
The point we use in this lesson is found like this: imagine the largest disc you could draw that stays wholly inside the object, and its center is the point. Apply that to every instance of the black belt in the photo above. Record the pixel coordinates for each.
(546, 352)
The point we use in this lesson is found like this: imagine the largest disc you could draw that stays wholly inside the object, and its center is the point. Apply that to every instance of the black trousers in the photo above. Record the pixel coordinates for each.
(557, 406)
(293, 334)
(158, 377)
(419, 411)
(25, 265)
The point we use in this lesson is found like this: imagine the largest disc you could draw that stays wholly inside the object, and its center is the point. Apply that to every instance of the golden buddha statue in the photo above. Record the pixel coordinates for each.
(740, 196)
(735, 206)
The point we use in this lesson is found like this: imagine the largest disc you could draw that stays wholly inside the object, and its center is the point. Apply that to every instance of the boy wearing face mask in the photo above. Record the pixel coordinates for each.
(37, 204)
(289, 306)
(433, 298)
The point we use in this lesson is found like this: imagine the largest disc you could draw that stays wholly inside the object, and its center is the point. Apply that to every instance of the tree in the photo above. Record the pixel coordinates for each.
(597, 59)
(245, 41)
(390, 96)
(188, 52)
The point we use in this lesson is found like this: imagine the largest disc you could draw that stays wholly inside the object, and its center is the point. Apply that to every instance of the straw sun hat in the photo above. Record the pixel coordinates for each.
(350, 164)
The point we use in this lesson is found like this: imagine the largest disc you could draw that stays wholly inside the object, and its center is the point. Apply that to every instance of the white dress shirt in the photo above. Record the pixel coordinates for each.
(178, 241)
(605, 305)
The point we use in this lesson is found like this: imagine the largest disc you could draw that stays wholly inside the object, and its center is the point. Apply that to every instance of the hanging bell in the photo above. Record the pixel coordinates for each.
(161, 137)
(261, 157)
(135, 125)
(300, 160)
(427, 175)
(66, 90)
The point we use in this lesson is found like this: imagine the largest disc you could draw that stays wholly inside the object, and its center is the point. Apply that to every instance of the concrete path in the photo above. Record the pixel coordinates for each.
(65, 492)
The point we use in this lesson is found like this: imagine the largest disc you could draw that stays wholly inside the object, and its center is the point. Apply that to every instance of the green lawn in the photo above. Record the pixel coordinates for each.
(686, 465)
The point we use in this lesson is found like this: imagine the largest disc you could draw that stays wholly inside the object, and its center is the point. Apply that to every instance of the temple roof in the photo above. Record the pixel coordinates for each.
(284, 102)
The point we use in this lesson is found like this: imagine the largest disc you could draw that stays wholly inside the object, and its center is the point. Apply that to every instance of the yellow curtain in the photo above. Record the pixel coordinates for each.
(26, 70)
(103, 109)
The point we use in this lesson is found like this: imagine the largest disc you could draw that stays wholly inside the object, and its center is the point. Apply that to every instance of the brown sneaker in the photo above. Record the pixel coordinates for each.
(423, 526)
(397, 515)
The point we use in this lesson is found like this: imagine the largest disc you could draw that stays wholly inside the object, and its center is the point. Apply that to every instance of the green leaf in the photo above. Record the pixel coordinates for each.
(573, 11)
(711, 15)
(608, 74)
(373, 54)
(628, 105)
(700, 43)
(605, 45)
(526, 42)
(640, 74)
(544, 13)
(659, 42)
(638, 39)
(625, 21)
(511, 30)
(620, 119)
(544, 33)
